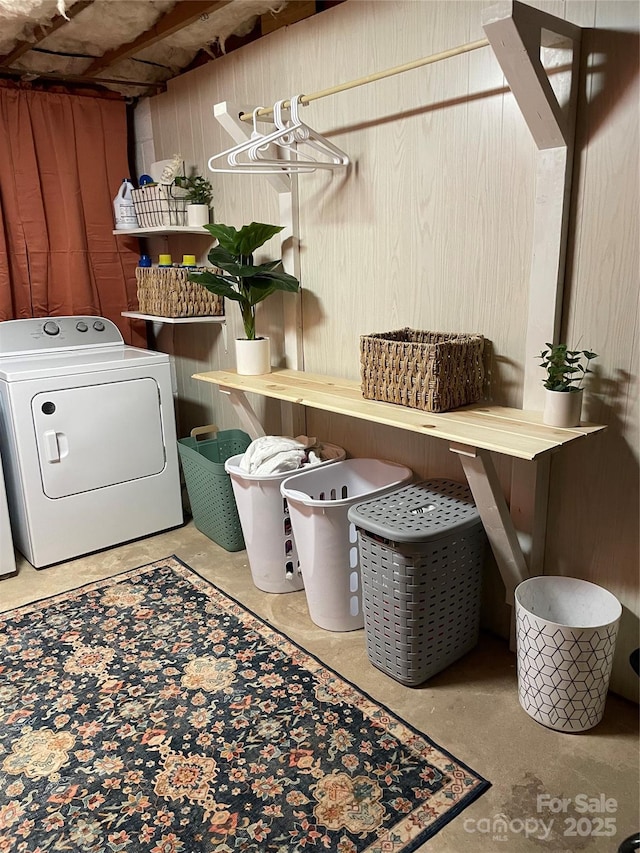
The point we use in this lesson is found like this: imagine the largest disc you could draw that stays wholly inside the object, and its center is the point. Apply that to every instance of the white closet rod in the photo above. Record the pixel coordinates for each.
(379, 75)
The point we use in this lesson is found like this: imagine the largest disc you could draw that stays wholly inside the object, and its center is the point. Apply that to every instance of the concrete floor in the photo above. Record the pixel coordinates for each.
(471, 709)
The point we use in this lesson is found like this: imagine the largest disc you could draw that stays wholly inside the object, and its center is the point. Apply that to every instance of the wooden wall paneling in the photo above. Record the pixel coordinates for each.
(495, 274)
(398, 142)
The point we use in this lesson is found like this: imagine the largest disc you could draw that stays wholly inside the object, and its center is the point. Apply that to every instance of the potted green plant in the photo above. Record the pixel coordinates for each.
(240, 280)
(565, 372)
(199, 195)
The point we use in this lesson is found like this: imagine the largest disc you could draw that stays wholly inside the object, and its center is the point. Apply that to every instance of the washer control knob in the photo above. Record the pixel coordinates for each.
(98, 325)
(51, 328)
(82, 326)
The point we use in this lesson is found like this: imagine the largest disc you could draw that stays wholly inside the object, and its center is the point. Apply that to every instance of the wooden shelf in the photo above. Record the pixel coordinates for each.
(471, 432)
(512, 432)
(162, 230)
(135, 315)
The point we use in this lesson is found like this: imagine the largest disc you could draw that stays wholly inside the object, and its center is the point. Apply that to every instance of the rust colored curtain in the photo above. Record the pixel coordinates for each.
(62, 159)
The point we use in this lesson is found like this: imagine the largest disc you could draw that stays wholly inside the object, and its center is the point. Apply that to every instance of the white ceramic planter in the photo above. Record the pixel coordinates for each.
(562, 408)
(253, 358)
(566, 633)
(197, 215)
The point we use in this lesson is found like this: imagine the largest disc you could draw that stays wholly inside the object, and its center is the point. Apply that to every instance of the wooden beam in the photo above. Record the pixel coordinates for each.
(293, 12)
(182, 14)
(26, 75)
(42, 32)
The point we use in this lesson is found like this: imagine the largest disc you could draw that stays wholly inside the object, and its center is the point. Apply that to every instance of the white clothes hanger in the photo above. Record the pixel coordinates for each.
(295, 136)
(283, 137)
(289, 135)
(260, 142)
(304, 134)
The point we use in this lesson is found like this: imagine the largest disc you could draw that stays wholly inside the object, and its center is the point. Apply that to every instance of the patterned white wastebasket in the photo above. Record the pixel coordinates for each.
(566, 635)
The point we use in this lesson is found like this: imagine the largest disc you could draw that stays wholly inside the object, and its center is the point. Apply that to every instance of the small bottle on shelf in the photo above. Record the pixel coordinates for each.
(189, 261)
(164, 261)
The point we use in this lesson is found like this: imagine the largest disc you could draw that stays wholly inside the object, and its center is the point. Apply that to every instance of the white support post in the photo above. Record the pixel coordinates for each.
(546, 280)
(228, 115)
(293, 417)
(516, 33)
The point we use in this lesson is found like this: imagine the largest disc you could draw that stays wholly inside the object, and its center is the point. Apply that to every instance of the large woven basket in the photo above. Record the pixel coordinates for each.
(167, 292)
(432, 371)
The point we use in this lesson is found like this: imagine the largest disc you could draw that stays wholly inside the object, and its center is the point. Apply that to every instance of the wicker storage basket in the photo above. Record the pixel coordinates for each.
(160, 206)
(432, 371)
(167, 292)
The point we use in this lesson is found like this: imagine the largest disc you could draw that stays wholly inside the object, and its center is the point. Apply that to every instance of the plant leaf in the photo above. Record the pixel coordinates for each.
(250, 237)
(216, 284)
(226, 235)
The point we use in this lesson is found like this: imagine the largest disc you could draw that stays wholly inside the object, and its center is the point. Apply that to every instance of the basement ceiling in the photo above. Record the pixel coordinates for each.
(130, 46)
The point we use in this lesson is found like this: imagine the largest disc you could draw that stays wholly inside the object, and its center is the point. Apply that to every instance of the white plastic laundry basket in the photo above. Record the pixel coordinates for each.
(327, 541)
(266, 526)
(566, 635)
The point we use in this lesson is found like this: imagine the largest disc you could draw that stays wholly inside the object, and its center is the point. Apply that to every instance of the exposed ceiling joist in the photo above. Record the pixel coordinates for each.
(139, 45)
(27, 76)
(183, 14)
(44, 32)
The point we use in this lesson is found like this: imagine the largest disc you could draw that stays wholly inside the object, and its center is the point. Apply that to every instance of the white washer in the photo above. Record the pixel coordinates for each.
(87, 436)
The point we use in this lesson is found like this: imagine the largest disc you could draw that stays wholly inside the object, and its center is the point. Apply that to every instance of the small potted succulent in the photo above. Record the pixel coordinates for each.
(565, 372)
(199, 195)
(240, 280)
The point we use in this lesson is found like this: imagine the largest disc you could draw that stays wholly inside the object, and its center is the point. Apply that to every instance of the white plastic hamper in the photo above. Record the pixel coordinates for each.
(566, 632)
(327, 541)
(266, 526)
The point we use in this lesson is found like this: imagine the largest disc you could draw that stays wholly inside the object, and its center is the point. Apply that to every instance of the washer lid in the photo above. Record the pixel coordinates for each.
(27, 367)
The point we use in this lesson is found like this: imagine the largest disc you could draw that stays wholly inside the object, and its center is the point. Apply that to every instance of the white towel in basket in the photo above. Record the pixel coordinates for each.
(274, 454)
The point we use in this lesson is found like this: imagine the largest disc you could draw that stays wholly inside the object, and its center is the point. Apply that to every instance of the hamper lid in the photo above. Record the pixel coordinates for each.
(422, 511)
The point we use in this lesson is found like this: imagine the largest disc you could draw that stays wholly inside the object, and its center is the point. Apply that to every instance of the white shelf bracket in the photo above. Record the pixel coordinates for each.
(487, 493)
(244, 411)
(516, 33)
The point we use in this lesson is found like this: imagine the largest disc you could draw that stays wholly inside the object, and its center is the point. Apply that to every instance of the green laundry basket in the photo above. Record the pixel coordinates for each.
(213, 505)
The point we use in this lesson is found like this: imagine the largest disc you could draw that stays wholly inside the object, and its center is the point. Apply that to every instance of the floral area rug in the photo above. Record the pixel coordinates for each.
(152, 712)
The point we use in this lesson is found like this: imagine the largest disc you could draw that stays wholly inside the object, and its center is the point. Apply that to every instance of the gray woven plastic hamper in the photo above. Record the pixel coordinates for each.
(421, 555)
